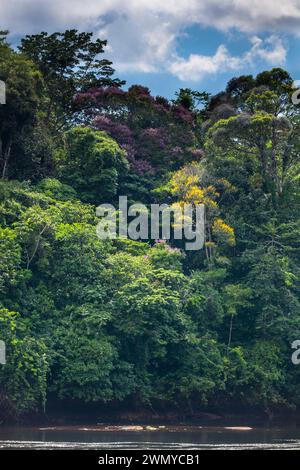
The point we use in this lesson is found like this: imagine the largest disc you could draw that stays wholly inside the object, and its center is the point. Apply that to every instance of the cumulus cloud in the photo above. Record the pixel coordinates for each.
(196, 66)
(143, 34)
(272, 50)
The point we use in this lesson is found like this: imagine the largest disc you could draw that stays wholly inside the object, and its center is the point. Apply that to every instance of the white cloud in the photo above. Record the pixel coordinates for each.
(272, 50)
(194, 68)
(143, 34)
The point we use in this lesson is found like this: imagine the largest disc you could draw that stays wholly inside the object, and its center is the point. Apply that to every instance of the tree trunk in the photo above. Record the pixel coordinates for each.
(230, 333)
(5, 154)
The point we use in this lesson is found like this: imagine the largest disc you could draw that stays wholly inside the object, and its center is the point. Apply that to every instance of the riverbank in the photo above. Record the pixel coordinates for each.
(73, 413)
(109, 420)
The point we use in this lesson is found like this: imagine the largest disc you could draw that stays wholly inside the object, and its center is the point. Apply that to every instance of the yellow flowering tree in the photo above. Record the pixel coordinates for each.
(192, 185)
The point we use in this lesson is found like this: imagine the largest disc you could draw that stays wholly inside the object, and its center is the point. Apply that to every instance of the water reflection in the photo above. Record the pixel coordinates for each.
(173, 438)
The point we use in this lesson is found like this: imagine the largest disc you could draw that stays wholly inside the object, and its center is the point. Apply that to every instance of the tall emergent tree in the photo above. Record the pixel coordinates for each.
(70, 62)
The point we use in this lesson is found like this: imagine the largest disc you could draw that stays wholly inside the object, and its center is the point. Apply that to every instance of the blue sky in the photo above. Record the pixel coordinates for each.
(175, 43)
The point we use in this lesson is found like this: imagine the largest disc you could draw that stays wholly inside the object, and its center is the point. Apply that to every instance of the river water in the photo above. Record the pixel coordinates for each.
(124, 438)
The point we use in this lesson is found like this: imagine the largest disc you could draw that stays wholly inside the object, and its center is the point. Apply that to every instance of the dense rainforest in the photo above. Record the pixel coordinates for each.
(144, 323)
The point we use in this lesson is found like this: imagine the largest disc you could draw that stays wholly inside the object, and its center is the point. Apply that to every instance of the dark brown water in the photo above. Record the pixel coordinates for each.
(97, 438)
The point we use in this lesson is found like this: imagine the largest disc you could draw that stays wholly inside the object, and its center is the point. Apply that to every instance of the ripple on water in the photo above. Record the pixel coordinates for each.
(131, 445)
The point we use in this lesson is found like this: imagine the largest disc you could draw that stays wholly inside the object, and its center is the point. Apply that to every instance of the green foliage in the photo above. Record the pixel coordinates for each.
(69, 62)
(130, 321)
(24, 87)
(10, 259)
(23, 379)
(91, 164)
